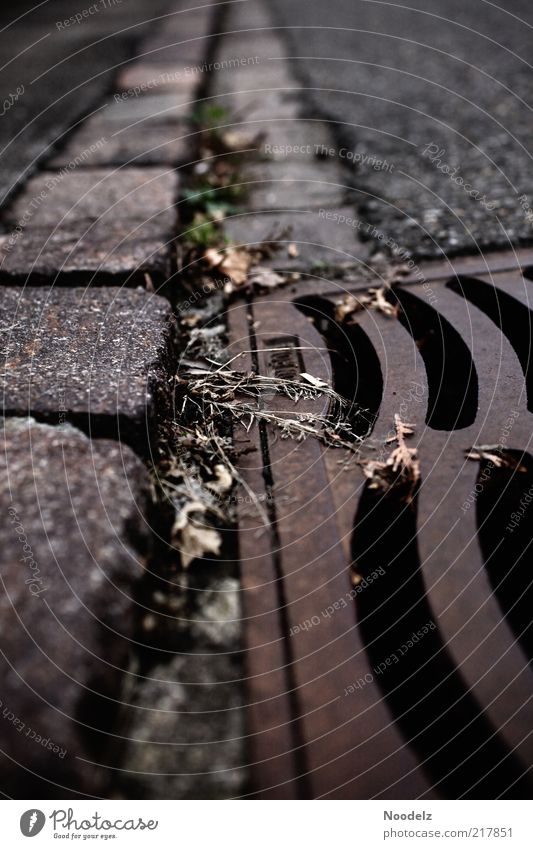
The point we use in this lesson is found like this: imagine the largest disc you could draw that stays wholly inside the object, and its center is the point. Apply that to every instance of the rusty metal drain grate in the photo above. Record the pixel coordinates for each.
(388, 626)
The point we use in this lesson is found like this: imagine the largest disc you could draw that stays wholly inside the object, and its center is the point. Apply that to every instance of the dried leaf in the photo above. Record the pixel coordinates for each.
(347, 307)
(495, 455)
(198, 541)
(372, 299)
(476, 454)
(218, 213)
(223, 481)
(265, 278)
(193, 538)
(233, 262)
(191, 320)
(212, 257)
(236, 264)
(380, 303)
(233, 140)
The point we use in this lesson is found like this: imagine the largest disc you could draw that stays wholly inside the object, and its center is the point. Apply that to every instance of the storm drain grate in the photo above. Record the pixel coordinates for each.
(387, 614)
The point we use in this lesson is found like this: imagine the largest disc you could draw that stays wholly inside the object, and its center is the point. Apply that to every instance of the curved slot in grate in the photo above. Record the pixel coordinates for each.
(356, 369)
(451, 373)
(505, 531)
(424, 690)
(512, 317)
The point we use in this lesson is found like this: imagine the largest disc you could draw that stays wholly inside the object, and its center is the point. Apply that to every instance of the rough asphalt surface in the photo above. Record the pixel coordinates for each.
(396, 79)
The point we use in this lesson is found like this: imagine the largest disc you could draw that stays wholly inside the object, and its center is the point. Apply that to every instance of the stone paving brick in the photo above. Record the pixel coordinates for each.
(143, 111)
(153, 144)
(98, 357)
(113, 222)
(142, 131)
(301, 139)
(252, 81)
(190, 22)
(66, 72)
(181, 38)
(293, 185)
(256, 16)
(162, 50)
(250, 71)
(322, 237)
(250, 106)
(265, 101)
(251, 42)
(145, 79)
(132, 193)
(74, 541)
(178, 42)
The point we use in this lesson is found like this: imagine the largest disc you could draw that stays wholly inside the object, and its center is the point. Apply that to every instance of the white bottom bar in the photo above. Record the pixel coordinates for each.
(266, 825)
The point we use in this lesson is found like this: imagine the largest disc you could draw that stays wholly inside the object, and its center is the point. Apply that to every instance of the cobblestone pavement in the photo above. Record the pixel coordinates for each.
(139, 140)
(108, 650)
(55, 70)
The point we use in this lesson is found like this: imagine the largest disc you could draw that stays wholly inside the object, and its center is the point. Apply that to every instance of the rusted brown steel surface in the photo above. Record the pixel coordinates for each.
(332, 713)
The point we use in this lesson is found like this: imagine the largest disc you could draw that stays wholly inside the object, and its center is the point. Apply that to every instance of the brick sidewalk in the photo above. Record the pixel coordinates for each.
(100, 660)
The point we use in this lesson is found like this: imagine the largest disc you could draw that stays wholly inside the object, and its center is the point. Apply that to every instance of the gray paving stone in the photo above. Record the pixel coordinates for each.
(100, 193)
(152, 143)
(180, 38)
(110, 257)
(178, 42)
(164, 50)
(329, 236)
(252, 83)
(248, 30)
(145, 79)
(101, 358)
(64, 74)
(256, 14)
(151, 109)
(250, 106)
(293, 185)
(74, 542)
(236, 73)
(92, 220)
(302, 139)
